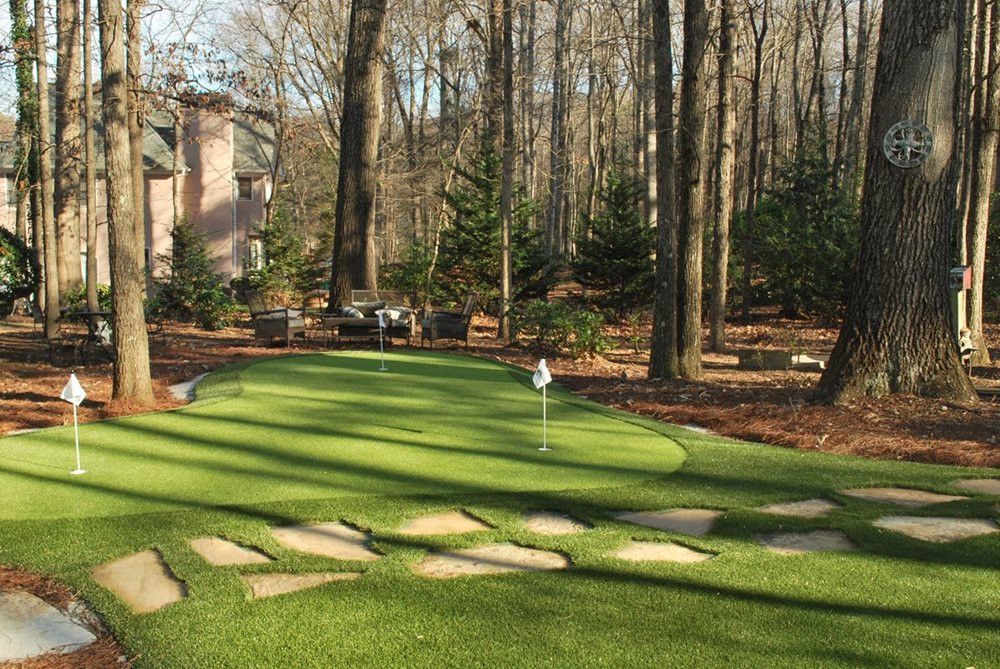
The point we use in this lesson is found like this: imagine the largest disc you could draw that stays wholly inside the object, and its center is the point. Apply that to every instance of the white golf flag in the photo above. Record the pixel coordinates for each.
(73, 392)
(541, 377)
(381, 320)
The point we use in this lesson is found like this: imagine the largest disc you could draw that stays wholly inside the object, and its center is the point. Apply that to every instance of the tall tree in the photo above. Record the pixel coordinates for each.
(45, 185)
(68, 148)
(759, 26)
(557, 136)
(136, 120)
(507, 176)
(90, 156)
(354, 264)
(691, 188)
(130, 378)
(896, 335)
(663, 361)
(25, 157)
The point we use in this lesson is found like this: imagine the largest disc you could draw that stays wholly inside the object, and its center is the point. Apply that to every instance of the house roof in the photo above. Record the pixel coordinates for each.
(254, 144)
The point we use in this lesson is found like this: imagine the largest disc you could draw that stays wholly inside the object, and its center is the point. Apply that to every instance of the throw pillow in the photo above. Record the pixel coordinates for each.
(368, 309)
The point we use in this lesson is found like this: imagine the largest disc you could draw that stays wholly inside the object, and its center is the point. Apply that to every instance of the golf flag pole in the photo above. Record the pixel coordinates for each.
(74, 394)
(542, 378)
(381, 341)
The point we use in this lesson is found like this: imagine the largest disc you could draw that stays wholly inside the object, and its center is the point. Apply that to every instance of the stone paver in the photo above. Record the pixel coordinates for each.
(333, 540)
(796, 543)
(936, 529)
(979, 486)
(659, 551)
(491, 559)
(451, 522)
(185, 389)
(223, 553)
(900, 496)
(269, 585)
(696, 522)
(553, 523)
(31, 627)
(807, 508)
(141, 580)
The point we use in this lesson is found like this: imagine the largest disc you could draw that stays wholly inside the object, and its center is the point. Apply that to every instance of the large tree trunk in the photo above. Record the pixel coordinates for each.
(131, 369)
(90, 157)
(45, 185)
(663, 361)
(354, 265)
(68, 149)
(725, 167)
(691, 188)
(507, 178)
(136, 125)
(896, 335)
(26, 158)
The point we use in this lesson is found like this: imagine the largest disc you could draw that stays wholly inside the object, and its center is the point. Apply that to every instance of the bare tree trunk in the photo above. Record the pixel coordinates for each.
(131, 368)
(136, 123)
(557, 138)
(853, 160)
(354, 264)
(663, 362)
(725, 167)
(90, 157)
(507, 182)
(895, 337)
(647, 89)
(45, 186)
(691, 188)
(26, 156)
(67, 154)
(760, 31)
(526, 61)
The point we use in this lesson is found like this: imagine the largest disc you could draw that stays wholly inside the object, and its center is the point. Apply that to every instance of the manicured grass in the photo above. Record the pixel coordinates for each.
(326, 437)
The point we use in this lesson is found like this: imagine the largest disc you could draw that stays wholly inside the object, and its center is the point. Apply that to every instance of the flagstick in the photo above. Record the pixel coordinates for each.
(76, 431)
(545, 423)
(381, 346)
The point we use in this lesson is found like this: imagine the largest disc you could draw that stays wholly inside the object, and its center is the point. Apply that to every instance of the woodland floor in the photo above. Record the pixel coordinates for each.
(771, 407)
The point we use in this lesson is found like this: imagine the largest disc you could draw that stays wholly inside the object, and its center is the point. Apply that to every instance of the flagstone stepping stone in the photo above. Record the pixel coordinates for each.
(796, 543)
(332, 540)
(451, 522)
(807, 508)
(141, 580)
(938, 530)
(553, 523)
(981, 486)
(185, 389)
(900, 496)
(269, 585)
(491, 559)
(696, 522)
(659, 551)
(29, 627)
(220, 552)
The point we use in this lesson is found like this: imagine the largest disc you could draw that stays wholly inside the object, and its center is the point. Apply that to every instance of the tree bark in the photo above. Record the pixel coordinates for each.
(68, 148)
(45, 185)
(131, 379)
(507, 178)
(557, 136)
(853, 160)
(663, 362)
(136, 124)
(895, 337)
(90, 157)
(691, 188)
(760, 31)
(354, 265)
(26, 156)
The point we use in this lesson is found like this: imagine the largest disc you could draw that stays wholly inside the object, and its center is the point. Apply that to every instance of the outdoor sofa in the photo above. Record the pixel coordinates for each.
(359, 320)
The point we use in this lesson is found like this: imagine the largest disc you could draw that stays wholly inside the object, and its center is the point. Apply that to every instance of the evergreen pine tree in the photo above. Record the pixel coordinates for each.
(192, 291)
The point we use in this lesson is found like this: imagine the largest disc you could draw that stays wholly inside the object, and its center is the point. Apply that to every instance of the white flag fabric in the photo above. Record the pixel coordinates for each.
(541, 377)
(73, 392)
(381, 320)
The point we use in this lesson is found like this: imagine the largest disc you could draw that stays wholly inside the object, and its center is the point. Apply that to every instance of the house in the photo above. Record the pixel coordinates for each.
(225, 181)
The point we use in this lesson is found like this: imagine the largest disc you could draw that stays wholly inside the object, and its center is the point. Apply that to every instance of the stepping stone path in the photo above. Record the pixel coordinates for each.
(223, 553)
(659, 551)
(900, 496)
(185, 389)
(452, 522)
(31, 627)
(938, 530)
(269, 585)
(142, 580)
(796, 543)
(553, 523)
(332, 540)
(491, 559)
(980, 486)
(696, 522)
(807, 508)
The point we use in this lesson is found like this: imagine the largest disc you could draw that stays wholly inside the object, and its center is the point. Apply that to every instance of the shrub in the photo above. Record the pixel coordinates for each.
(410, 273)
(287, 273)
(562, 327)
(617, 258)
(991, 278)
(18, 270)
(192, 291)
(76, 300)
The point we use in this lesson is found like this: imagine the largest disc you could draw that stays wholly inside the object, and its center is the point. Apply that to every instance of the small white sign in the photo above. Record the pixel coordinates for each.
(541, 377)
(73, 392)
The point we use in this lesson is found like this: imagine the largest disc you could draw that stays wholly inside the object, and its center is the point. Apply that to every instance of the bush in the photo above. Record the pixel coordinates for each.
(18, 270)
(991, 278)
(192, 291)
(410, 273)
(76, 300)
(617, 258)
(287, 272)
(562, 327)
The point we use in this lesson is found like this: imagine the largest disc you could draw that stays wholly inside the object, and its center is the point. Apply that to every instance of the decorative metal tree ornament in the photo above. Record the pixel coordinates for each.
(908, 144)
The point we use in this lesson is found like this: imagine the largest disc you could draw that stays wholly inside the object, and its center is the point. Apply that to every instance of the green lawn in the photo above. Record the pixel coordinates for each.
(327, 437)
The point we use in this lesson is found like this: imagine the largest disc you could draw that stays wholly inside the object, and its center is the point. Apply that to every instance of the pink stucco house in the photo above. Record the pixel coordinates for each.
(225, 182)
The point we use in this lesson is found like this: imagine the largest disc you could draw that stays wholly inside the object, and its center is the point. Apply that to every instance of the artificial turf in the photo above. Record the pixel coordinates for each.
(327, 437)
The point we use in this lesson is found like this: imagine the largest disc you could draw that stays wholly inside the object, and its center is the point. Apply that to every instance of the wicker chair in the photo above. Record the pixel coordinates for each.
(269, 324)
(449, 324)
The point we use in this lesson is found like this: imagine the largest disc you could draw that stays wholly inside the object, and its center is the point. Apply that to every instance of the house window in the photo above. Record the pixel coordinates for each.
(255, 253)
(244, 187)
